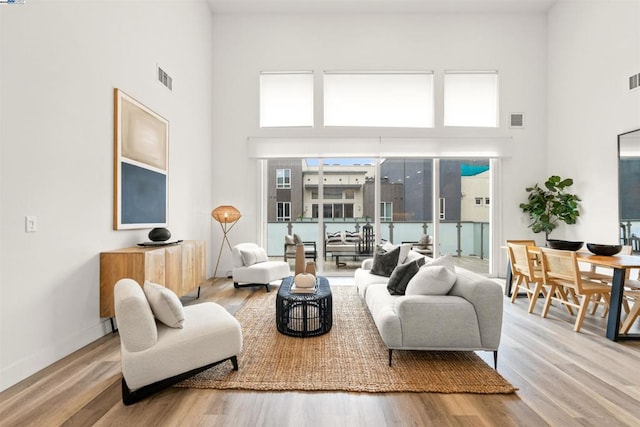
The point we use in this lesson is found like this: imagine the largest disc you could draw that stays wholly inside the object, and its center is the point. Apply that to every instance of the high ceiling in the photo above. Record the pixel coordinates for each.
(378, 6)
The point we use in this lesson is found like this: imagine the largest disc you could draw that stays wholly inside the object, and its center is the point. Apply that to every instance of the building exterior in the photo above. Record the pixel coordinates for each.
(406, 190)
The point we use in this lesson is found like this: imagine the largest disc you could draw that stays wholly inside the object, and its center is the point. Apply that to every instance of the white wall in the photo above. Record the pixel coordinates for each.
(59, 64)
(593, 49)
(246, 44)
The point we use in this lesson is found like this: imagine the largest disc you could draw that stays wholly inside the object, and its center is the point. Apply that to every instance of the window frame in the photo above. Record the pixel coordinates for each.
(285, 182)
(285, 206)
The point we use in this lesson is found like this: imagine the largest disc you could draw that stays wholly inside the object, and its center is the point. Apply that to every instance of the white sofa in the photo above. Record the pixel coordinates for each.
(467, 318)
(251, 266)
(155, 355)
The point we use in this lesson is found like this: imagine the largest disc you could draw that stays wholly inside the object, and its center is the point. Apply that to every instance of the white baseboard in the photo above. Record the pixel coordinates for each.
(27, 366)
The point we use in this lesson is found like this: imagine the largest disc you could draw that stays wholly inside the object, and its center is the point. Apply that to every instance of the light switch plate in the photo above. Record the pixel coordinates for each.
(30, 224)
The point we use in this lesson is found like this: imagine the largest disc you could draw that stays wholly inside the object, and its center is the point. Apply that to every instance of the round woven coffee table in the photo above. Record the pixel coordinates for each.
(304, 315)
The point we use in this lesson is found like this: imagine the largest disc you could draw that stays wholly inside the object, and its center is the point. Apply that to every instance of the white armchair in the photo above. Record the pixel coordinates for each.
(251, 266)
(154, 355)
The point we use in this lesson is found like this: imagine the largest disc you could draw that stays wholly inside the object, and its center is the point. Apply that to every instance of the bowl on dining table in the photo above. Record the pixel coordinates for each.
(565, 245)
(604, 250)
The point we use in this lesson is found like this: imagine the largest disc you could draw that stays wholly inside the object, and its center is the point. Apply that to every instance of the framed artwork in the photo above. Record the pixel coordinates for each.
(141, 165)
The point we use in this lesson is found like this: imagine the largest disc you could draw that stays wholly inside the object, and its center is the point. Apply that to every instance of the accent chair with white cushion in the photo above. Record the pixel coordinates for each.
(252, 267)
(163, 343)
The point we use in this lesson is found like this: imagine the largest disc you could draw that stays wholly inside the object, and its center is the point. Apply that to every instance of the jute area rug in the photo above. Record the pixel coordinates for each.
(350, 357)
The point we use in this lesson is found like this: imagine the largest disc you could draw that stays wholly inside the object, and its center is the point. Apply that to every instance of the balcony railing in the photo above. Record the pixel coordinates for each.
(460, 238)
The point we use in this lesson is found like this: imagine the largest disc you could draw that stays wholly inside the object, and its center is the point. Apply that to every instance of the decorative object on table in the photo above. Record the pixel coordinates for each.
(305, 281)
(551, 204)
(228, 217)
(141, 167)
(299, 267)
(565, 245)
(605, 250)
(159, 234)
(310, 268)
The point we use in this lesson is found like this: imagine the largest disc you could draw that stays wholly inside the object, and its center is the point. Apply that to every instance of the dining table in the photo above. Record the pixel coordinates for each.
(620, 264)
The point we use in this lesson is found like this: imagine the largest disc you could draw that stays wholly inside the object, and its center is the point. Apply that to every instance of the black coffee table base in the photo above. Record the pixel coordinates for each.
(304, 315)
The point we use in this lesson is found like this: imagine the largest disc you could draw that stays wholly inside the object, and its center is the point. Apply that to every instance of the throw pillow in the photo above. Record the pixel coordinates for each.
(165, 305)
(253, 256)
(261, 255)
(351, 237)
(404, 250)
(334, 237)
(431, 280)
(413, 255)
(296, 239)
(384, 262)
(288, 239)
(401, 276)
(445, 260)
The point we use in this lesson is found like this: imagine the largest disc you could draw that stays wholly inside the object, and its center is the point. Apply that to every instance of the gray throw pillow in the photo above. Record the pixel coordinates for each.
(384, 262)
(401, 275)
(431, 280)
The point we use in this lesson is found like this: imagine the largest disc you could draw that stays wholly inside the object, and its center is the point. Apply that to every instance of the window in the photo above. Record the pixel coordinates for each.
(283, 178)
(332, 193)
(349, 194)
(486, 201)
(383, 99)
(334, 210)
(478, 201)
(283, 211)
(286, 99)
(386, 211)
(471, 98)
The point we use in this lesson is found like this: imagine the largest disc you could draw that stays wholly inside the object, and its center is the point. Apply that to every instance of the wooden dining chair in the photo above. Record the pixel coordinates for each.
(525, 272)
(605, 275)
(632, 294)
(561, 272)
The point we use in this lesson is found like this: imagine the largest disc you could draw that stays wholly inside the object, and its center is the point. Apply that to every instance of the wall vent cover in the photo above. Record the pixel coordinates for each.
(634, 81)
(165, 79)
(516, 120)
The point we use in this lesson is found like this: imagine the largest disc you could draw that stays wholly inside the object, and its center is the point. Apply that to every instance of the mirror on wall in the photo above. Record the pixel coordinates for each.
(629, 188)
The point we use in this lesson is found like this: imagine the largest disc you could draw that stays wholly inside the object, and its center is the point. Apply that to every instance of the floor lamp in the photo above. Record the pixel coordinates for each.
(227, 216)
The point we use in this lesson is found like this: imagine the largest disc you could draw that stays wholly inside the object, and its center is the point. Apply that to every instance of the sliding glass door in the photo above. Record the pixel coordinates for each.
(343, 207)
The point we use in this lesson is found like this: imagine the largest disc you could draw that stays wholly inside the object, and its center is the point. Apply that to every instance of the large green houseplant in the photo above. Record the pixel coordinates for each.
(550, 204)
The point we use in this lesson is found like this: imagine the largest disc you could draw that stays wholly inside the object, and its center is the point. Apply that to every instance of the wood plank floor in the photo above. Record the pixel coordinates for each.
(564, 378)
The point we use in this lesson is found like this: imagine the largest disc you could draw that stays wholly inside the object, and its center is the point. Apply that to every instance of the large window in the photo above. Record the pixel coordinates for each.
(471, 99)
(286, 99)
(384, 99)
(283, 178)
(333, 210)
(283, 211)
(386, 211)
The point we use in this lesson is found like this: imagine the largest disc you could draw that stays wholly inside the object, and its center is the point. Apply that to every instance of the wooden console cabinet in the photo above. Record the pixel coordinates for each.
(180, 267)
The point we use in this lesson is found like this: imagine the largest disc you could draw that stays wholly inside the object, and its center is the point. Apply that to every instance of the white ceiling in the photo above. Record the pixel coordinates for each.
(378, 6)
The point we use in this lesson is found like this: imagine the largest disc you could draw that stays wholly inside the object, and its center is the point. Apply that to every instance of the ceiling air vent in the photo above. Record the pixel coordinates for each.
(165, 79)
(634, 81)
(516, 120)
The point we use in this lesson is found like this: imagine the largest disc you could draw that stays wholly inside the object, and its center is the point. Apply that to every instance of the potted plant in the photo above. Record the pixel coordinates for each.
(549, 205)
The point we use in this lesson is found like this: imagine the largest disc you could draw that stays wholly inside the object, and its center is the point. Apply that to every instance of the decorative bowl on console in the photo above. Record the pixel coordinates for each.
(565, 245)
(605, 250)
(159, 234)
